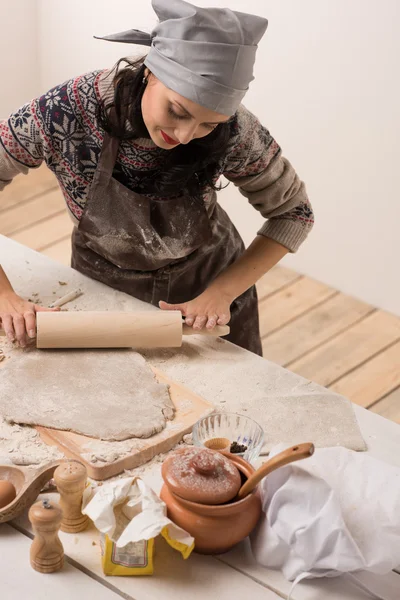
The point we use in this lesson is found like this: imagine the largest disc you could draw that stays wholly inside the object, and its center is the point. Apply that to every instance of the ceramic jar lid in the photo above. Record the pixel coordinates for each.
(201, 475)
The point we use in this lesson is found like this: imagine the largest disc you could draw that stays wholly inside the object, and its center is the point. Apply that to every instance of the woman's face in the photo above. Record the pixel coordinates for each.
(171, 119)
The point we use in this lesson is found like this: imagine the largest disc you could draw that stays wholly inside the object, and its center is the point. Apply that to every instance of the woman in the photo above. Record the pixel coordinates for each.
(138, 152)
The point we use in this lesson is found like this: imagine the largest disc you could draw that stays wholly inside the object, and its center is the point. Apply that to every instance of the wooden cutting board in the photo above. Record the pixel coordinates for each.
(189, 408)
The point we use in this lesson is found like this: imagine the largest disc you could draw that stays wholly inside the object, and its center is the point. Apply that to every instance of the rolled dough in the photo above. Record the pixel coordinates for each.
(109, 395)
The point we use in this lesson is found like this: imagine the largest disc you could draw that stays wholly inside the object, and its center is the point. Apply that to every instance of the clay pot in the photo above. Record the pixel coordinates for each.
(216, 528)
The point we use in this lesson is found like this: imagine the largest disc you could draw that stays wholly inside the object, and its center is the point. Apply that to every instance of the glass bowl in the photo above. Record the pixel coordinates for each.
(234, 427)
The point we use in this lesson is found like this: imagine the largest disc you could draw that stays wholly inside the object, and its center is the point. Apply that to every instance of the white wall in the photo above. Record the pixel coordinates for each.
(19, 67)
(67, 30)
(328, 89)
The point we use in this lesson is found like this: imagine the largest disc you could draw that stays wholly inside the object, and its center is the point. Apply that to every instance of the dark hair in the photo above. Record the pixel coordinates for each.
(188, 168)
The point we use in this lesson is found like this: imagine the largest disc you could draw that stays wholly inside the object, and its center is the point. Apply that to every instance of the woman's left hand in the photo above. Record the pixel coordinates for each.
(209, 309)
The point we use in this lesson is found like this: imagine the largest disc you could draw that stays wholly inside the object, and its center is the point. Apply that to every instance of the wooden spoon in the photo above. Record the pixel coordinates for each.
(283, 458)
(28, 486)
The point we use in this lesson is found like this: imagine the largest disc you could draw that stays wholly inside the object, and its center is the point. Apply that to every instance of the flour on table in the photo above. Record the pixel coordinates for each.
(101, 451)
(289, 408)
(22, 446)
(108, 395)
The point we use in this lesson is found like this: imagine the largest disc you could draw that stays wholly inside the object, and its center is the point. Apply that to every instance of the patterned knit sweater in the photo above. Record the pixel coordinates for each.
(61, 129)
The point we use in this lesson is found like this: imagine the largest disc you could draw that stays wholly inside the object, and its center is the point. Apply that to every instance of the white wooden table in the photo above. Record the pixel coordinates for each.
(228, 577)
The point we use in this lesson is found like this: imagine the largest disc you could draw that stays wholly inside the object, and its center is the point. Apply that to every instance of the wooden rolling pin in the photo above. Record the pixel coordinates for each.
(104, 329)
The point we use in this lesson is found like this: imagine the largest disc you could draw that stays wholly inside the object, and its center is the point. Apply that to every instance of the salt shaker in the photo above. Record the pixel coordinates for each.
(47, 553)
(70, 478)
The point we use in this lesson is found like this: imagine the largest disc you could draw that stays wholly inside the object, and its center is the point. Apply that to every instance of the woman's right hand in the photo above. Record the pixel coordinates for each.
(18, 317)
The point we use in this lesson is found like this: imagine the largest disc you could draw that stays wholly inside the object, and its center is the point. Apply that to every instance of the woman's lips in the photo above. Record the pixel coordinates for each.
(168, 139)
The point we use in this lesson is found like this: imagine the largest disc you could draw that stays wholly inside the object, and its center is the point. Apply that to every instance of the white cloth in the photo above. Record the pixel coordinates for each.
(333, 513)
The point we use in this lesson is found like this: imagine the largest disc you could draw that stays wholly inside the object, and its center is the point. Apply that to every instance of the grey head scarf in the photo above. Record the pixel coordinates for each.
(204, 54)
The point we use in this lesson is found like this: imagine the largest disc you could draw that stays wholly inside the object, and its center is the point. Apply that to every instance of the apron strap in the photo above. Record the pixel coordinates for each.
(107, 160)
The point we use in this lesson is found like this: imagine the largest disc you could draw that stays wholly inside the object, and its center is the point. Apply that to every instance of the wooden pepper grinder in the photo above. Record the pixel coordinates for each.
(47, 553)
(70, 478)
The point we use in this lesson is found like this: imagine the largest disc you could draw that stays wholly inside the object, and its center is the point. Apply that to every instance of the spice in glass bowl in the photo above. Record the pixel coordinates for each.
(237, 448)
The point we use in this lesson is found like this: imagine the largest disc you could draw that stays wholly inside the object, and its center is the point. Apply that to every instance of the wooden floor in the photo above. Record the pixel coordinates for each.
(306, 326)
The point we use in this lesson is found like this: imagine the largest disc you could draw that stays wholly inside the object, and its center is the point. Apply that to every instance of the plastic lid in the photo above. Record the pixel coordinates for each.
(201, 475)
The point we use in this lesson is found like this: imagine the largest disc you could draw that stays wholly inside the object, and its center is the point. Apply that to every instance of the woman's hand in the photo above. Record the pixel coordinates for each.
(209, 309)
(18, 317)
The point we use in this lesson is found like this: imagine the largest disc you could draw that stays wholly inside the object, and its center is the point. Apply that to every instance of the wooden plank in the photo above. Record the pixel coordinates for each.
(313, 328)
(189, 408)
(291, 302)
(26, 187)
(19, 580)
(174, 578)
(388, 407)
(335, 358)
(381, 435)
(372, 380)
(60, 251)
(274, 280)
(42, 235)
(321, 588)
(20, 217)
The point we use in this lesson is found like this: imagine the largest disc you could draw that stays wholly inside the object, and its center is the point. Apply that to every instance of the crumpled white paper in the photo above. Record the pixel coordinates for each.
(147, 514)
(333, 513)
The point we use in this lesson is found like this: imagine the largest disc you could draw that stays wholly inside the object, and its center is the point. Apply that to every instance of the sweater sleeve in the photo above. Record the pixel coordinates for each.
(256, 166)
(21, 143)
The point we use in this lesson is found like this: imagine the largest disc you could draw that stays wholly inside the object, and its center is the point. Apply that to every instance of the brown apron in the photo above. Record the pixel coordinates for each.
(157, 249)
